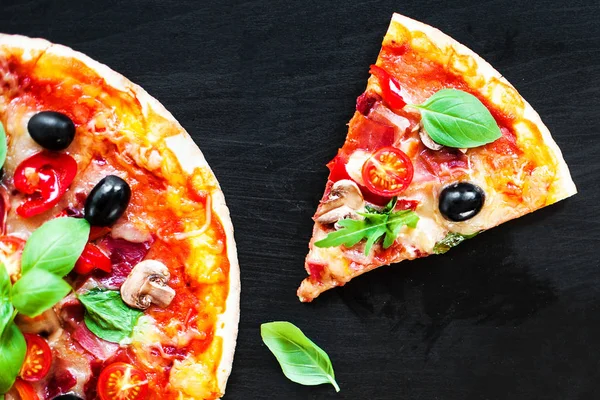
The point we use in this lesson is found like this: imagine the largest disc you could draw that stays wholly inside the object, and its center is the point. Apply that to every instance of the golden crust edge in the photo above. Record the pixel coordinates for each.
(563, 185)
(227, 323)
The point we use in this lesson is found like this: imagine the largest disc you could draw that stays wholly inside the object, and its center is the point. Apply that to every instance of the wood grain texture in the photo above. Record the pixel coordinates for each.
(266, 88)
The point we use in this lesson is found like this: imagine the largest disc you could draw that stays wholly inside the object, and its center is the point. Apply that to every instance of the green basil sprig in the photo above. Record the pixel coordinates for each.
(37, 291)
(12, 355)
(6, 307)
(301, 360)
(50, 253)
(458, 119)
(56, 245)
(107, 316)
(12, 342)
(374, 225)
(452, 239)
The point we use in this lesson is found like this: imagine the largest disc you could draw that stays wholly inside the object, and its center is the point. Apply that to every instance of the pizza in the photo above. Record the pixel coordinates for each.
(440, 148)
(120, 277)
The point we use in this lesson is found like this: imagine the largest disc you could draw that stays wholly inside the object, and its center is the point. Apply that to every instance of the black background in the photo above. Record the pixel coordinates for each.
(266, 88)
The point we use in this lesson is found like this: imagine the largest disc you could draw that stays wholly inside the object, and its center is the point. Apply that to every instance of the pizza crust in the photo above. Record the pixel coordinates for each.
(189, 157)
(563, 185)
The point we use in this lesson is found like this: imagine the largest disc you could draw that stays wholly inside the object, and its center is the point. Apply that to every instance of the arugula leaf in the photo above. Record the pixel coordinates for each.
(373, 227)
(3, 146)
(458, 119)
(395, 222)
(12, 356)
(301, 360)
(452, 239)
(107, 316)
(56, 245)
(6, 308)
(37, 291)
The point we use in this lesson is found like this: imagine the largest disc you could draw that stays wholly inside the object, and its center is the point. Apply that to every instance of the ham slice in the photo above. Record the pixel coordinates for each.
(99, 348)
(124, 255)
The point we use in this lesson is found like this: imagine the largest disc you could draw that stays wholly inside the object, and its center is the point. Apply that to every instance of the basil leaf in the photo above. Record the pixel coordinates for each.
(458, 119)
(452, 239)
(301, 360)
(107, 316)
(56, 245)
(6, 308)
(12, 356)
(3, 147)
(37, 291)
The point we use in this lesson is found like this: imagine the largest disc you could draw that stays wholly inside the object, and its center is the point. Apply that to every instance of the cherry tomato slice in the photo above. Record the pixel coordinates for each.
(37, 360)
(387, 172)
(11, 248)
(25, 390)
(122, 381)
(91, 258)
(44, 178)
(390, 87)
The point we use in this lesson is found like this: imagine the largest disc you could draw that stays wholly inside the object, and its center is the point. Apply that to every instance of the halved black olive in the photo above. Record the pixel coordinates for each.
(51, 130)
(107, 201)
(461, 201)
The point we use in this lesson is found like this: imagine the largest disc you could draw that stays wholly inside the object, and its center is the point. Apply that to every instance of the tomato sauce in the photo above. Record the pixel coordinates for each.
(49, 83)
(420, 77)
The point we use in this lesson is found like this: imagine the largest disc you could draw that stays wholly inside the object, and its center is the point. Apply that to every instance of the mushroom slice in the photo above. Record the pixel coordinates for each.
(344, 200)
(147, 284)
(428, 141)
(46, 323)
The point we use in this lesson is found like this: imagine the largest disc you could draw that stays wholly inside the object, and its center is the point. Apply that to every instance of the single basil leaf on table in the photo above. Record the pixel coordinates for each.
(6, 308)
(107, 316)
(452, 239)
(3, 147)
(301, 360)
(56, 245)
(12, 356)
(458, 119)
(37, 291)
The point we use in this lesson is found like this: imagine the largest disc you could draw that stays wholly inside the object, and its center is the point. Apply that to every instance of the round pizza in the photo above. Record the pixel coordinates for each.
(119, 276)
(440, 148)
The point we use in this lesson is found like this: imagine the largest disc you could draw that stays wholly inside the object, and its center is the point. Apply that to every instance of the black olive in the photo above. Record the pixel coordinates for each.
(107, 201)
(68, 396)
(51, 130)
(461, 201)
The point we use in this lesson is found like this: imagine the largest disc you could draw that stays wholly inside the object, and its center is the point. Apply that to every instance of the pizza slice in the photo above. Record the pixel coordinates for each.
(441, 147)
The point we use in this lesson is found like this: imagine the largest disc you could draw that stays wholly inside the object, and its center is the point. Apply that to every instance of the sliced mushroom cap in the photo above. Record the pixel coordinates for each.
(428, 141)
(47, 323)
(147, 284)
(344, 200)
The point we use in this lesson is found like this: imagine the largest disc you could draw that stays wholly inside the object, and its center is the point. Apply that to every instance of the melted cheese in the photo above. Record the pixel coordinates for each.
(121, 130)
(355, 164)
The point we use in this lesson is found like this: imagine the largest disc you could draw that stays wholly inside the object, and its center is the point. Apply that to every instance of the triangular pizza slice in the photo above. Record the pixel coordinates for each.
(441, 147)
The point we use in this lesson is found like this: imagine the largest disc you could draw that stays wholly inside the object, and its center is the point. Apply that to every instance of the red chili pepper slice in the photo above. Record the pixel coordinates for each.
(390, 87)
(44, 177)
(92, 258)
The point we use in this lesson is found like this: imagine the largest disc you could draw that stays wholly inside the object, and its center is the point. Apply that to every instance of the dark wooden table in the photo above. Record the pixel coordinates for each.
(266, 88)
